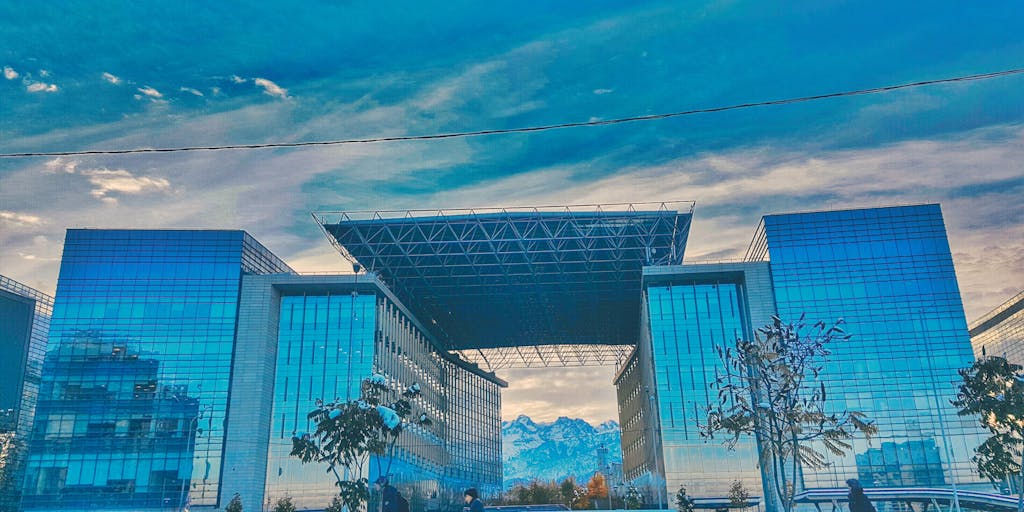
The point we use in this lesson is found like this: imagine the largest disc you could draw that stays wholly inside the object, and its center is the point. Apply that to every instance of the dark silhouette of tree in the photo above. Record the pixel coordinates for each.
(235, 505)
(993, 390)
(335, 506)
(684, 502)
(738, 495)
(284, 505)
(633, 498)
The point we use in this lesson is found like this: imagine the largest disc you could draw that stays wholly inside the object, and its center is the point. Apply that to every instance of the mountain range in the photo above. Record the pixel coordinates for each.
(553, 451)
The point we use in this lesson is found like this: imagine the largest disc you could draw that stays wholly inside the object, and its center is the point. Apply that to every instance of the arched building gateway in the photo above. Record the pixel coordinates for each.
(180, 363)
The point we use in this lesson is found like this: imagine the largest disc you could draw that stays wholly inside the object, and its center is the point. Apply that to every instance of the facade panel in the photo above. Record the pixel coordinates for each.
(325, 349)
(692, 309)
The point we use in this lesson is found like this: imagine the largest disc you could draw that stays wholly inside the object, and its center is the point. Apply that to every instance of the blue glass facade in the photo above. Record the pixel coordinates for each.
(134, 392)
(889, 274)
(687, 322)
(325, 349)
(689, 310)
(326, 345)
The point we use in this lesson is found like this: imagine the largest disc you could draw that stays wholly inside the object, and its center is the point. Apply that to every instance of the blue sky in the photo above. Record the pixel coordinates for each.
(89, 75)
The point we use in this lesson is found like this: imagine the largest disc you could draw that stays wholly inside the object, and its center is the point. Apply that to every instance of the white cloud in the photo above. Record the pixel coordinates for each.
(120, 181)
(151, 92)
(603, 91)
(271, 88)
(40, 87)
(44, 73)
(111, 78)
(238, 80)
(194, 92)
(20, 218)
(60, 165)
(10, 73)
(544, 394)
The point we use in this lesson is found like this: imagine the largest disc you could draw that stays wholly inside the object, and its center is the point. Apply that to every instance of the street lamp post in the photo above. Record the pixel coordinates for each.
(193, 426)
(942, 417)
(655, 481)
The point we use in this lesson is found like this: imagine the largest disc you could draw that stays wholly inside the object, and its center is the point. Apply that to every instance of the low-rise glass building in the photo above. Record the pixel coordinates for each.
(24, 322)
(1000, 332)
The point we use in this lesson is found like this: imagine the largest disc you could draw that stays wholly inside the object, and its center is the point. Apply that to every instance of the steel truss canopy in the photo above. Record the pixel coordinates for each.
(517, 277)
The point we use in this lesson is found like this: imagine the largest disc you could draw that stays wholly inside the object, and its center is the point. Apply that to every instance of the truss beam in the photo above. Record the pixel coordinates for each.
(503, 277)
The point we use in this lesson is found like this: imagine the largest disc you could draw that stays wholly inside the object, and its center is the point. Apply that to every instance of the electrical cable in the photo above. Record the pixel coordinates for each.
(526, 129)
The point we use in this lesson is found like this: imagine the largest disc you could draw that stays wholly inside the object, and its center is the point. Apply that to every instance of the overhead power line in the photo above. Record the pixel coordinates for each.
(526, 129)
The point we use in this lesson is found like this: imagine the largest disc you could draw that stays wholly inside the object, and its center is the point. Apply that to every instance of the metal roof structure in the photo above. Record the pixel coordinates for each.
(488, 278)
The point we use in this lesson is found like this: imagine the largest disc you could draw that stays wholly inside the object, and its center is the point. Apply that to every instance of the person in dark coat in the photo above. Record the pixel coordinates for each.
(388, 495)
(859, 502)
(473, 500)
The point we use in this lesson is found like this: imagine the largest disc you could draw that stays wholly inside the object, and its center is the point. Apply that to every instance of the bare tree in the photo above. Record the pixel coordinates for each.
(771, 389)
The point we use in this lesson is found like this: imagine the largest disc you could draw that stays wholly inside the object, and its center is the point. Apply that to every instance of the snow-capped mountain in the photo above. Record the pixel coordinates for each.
(556, 450)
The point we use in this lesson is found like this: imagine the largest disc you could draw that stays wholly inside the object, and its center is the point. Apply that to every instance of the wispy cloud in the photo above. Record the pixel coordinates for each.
(238, 80)
(271, 88)
(111, 78)
(603, 91)
(194, 92)
(108, 182)
(120, 181)
(61, 165)
(151, 92)
(10, 73)
(20, 218)
(40, 87)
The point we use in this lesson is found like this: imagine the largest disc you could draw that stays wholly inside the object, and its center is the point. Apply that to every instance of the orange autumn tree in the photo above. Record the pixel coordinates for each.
(597, 487)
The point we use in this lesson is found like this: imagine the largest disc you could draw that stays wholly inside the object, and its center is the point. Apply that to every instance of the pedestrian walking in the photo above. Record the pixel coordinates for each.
(472, 499)
(859, 502)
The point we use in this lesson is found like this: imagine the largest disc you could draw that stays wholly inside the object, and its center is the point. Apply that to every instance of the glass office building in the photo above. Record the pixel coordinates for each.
(322, 335)
(133, 401)
(688, 311)
(24, 322)
(1000, 332)
(888, 273)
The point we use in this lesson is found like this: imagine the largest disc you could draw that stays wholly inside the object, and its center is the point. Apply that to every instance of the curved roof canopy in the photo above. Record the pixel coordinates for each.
(508, 277)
